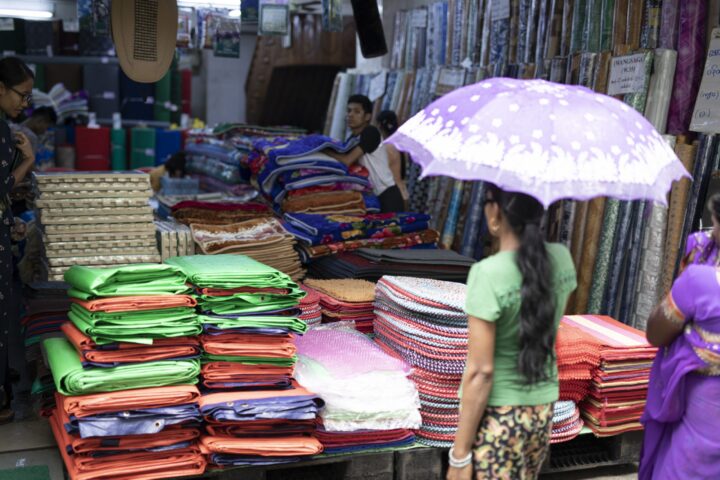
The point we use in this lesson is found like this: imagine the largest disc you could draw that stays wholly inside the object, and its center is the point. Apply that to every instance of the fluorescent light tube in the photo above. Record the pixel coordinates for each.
(232, 4)
(31, 14)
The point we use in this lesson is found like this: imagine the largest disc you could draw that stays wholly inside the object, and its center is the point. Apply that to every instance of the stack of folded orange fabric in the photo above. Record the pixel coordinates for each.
(130, 434)
(260, 427)
(117, 353)
(618, 389)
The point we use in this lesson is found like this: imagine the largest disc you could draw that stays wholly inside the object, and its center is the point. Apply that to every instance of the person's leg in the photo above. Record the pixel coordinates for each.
(391, 200)
(6, 282)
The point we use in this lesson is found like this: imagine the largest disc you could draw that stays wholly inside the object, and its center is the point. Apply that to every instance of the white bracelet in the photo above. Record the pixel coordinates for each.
(462, 463)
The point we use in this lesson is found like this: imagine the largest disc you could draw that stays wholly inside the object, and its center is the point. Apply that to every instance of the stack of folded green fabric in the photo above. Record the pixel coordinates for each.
(236, 284)
(134, 326)
(250, 319)
(250, 323)
(124, 310)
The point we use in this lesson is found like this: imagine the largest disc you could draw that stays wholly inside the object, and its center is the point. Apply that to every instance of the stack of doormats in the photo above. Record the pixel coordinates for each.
(618, 390)
(131, 353)
(344, 367)
(250, 323)
(263, 239)
(174, 239)
(577, 359)
(311, 311)
(373, 263)
(46, 310)
(346, 301)
(423, 322)
(566, 423)
(223, 212)
(96, 219)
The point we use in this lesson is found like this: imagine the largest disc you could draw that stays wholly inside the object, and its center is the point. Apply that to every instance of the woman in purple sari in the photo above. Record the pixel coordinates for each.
(701, 248)
(682, 416)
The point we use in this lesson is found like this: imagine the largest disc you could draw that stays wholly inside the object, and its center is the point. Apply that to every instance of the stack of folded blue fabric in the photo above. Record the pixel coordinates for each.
(216, 164)
(284, 169)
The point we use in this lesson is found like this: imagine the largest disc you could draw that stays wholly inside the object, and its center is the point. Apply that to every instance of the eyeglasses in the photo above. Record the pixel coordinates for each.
(24, 97)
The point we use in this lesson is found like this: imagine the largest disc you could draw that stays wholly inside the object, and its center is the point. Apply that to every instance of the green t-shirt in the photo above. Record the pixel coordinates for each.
(493, 295)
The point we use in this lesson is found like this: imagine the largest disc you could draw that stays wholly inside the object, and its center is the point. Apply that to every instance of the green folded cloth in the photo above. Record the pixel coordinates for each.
(278, 362)
(291, 323)
(72, 379)
(140, 279)
(230, 271)
(237, 305)
(135, 327)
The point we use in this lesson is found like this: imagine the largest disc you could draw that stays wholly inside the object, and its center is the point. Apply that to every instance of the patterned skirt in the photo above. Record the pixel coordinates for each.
(512, 442)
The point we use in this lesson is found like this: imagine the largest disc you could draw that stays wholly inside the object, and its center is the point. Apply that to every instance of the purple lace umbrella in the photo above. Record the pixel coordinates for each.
(544, 139)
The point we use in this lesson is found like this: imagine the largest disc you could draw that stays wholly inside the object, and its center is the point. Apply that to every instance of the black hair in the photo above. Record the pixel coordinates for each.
(176, 163)
(14, 71)
(46, 113)
(388, 122)
(537, 310)
(363, 101)
(713, 205)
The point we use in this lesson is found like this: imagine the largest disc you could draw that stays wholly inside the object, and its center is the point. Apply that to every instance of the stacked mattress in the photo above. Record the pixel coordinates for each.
(98, 219)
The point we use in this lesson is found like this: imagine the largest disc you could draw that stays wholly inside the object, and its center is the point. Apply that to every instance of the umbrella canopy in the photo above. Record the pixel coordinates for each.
(544, 139)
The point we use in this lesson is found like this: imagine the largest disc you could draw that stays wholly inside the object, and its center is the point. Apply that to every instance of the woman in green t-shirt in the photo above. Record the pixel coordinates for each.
(515, 300)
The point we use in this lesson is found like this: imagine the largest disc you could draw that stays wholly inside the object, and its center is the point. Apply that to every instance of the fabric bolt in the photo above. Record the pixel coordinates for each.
(136, 327)
(638, 100)
(136, 399)
(651, 24)
(676, 215)
(617, 258)
(137, 465)
(632, 274)
(262, 447)
(136, 303)
(602, 263)
(88, 283)
(669, 24)
(579, 14)
(704, 163)
(230, 271)
(648, 289)
(475, 217)
(71, 379)
(660, 90)
(451, 222)
(135, 422)
(691, 35)
(249, 345)
(113, 355)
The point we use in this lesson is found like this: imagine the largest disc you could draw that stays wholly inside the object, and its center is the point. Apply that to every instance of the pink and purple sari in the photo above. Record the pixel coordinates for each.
(682, 415)
(700, 249)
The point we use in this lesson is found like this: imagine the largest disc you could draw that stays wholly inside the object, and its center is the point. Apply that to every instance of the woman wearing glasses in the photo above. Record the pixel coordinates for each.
(16, 84)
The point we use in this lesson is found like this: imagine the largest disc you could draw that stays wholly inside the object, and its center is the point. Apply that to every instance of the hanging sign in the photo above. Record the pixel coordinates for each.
(274, 18)
(627, 74)
(706, 116)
